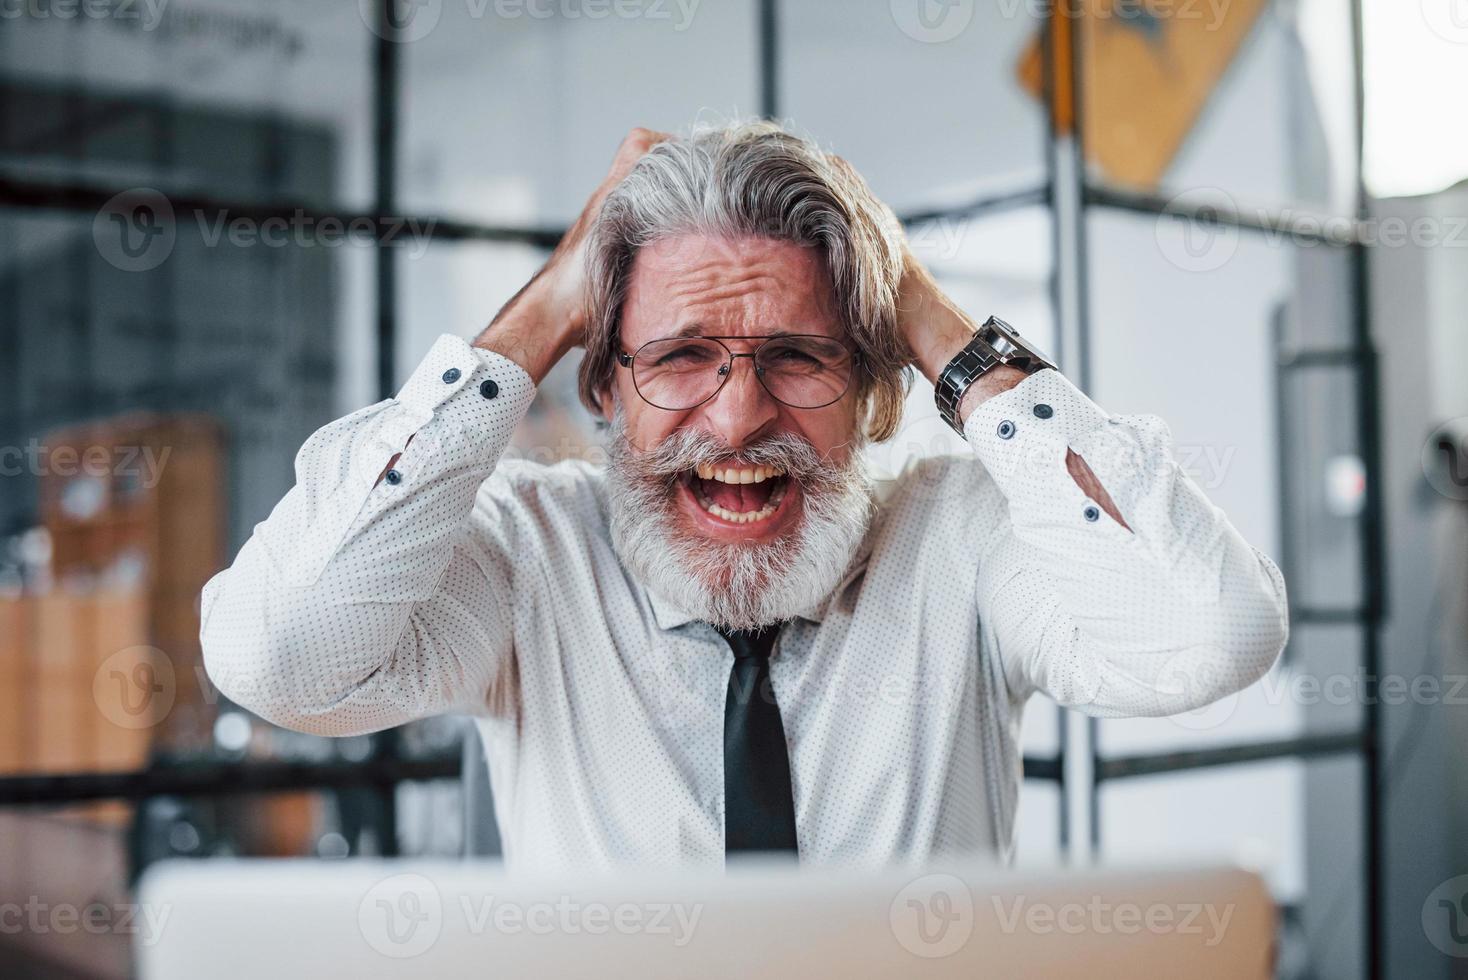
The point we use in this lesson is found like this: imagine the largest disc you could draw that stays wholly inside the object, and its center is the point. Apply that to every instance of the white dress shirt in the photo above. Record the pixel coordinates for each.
(466, 583)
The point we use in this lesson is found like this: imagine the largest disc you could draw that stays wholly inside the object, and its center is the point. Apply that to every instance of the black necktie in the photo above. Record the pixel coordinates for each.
(759, 806)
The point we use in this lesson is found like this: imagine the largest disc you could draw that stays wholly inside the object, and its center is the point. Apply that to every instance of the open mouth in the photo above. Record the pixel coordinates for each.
(739, 494)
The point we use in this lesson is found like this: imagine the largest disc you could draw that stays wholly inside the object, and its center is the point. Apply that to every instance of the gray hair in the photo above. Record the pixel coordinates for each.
(756, 178)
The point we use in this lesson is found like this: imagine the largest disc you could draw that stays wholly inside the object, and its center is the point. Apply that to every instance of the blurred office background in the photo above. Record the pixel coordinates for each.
(225, 222)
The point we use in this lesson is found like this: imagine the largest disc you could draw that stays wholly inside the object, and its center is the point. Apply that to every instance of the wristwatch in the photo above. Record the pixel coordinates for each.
(994, 343)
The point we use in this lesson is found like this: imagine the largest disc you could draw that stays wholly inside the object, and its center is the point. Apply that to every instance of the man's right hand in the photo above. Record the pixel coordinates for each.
(546, 318)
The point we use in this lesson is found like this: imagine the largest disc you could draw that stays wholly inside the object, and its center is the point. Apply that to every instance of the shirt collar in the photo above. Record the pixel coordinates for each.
(668, 615)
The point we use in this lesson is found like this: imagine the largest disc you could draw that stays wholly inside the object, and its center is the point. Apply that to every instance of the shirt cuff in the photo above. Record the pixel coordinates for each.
(481, 391)
(1021, 436)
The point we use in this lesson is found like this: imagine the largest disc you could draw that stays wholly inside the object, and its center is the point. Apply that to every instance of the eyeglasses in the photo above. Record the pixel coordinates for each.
(799, 370)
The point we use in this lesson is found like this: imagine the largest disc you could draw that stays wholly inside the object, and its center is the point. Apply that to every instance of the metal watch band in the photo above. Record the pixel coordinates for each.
(967, 366)
(994, 343)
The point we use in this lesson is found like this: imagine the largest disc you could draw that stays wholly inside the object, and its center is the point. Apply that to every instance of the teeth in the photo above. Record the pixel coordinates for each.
(707, 471)
(748, 517)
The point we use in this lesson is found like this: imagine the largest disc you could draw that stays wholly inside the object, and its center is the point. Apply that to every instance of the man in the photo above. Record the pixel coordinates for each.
(729, 639)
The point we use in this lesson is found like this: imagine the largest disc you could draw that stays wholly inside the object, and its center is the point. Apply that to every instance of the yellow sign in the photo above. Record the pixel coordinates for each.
(1149, 68)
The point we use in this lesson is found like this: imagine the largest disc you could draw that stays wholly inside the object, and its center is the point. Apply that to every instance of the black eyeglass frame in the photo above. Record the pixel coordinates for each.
(727, 371)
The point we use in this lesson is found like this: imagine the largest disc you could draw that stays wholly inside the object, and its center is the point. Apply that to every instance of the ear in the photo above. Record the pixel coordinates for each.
(605, 398)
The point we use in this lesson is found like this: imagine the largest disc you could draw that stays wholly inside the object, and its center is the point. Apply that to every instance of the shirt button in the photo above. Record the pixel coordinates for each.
(489, 389)
(1092, 513)
(1006, 429)
(450, 376)
(1043, 411)
(394, 477)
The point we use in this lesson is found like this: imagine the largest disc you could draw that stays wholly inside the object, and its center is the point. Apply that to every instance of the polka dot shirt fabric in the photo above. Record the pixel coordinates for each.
(463, 582)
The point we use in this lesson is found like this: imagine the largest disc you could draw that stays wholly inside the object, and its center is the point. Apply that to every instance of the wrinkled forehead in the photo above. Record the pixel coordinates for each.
(734, 287)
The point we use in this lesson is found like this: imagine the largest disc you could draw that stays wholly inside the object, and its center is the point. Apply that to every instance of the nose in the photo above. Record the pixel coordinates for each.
(743, 411)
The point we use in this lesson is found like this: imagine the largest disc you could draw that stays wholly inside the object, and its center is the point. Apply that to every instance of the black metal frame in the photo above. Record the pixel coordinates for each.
(1360, 357)
(231, 779)
(1066, 188)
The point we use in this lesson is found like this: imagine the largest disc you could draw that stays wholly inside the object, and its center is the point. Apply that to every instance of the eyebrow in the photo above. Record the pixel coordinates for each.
(696, 330)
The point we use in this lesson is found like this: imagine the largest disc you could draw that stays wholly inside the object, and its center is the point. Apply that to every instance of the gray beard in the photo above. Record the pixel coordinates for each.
(735, 585)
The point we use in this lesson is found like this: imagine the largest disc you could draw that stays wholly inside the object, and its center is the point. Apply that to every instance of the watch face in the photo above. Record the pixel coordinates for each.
(1008, 343)
(1004, 344)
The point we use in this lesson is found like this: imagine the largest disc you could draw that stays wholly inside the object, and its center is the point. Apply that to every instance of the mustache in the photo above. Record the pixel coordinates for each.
(687, 449)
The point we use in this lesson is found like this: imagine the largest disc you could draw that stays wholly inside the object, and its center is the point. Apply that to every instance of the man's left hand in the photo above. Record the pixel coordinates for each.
(936, 330)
